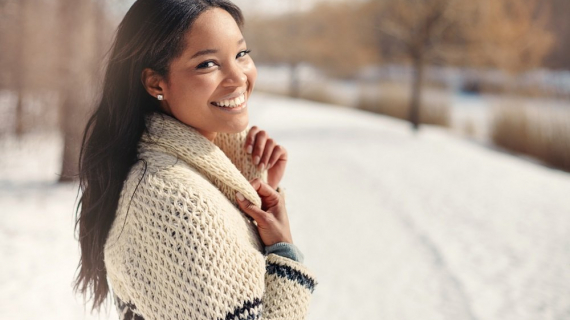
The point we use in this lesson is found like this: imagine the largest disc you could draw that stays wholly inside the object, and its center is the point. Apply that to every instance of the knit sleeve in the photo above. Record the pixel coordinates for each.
(288, 288)
(183, 261)
(233, 145)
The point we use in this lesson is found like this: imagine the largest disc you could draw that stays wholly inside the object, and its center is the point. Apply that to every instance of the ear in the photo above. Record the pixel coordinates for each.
(152, 82)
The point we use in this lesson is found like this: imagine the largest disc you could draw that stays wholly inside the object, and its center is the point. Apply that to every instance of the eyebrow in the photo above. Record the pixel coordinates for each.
(210, 51)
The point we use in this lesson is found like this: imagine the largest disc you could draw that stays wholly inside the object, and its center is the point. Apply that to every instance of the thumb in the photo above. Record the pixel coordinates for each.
(252, 210)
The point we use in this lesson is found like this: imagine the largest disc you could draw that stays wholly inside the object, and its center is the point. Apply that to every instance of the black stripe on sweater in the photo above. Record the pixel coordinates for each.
(291, 274)
(126, 310)
(248, 306)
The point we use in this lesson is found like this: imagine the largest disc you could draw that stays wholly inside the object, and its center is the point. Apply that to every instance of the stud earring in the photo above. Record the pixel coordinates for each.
(160, 97)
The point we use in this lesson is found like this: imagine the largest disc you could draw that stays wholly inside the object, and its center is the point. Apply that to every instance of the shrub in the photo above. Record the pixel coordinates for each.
(541, 132)
(319, 94)
(394, 100)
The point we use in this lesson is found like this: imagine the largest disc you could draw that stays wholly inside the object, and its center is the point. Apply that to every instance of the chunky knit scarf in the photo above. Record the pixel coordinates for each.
(180, 248)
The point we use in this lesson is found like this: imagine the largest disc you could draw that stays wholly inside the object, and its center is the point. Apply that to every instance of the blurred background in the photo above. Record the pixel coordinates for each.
(494, 71)
(494, 74)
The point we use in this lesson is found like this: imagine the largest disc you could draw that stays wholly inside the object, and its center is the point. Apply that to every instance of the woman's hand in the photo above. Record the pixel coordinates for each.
(266, 154)
(271, 218)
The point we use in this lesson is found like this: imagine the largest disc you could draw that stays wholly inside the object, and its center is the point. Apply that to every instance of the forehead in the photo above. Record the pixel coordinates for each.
(212, 28)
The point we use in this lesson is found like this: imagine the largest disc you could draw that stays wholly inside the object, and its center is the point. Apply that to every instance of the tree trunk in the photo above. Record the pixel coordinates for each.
(19, 128)
(71, 126)
(294, 85)
(20, 72)
(73, 84)
(100, 38)
(417, 83)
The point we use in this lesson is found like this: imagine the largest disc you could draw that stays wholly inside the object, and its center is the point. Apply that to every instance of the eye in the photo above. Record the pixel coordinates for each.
(206, 64)
(243, 53)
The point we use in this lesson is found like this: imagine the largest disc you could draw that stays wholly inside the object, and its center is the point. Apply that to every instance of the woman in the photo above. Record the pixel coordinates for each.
(168, 162)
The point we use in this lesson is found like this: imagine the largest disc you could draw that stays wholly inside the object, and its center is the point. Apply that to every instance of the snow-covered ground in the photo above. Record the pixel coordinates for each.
(396, 225)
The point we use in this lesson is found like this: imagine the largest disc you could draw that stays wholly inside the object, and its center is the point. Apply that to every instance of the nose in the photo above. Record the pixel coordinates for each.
(235, 76)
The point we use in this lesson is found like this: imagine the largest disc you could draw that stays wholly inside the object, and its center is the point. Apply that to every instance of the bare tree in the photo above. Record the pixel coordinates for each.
(507, 34)
(278, 44)
(335, 38)
(330, 36)
(74, 82)
(419, 28)
(85, 38)
(511, 35)
(560, 26)
(20, 66)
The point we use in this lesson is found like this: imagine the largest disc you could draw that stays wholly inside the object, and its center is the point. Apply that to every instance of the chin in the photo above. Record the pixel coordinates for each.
(237, 127)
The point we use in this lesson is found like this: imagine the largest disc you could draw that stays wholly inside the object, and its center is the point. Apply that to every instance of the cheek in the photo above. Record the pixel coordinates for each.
(194, 87)
(251, 73)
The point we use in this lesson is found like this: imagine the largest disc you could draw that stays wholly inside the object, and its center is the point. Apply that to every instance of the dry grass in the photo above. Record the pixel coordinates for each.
(394, 100)
(319, 93)
(469, 128)
(277, 90)
(541, 132)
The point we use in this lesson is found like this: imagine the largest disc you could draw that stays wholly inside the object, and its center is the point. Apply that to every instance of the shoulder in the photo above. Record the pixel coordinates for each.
(158, 166)
(165, 179)
(158, 195)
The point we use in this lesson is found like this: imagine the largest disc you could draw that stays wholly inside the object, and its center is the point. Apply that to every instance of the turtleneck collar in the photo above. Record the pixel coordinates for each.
(189, 145)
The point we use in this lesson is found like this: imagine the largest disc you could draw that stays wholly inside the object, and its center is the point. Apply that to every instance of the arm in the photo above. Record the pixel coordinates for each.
(181, 263)
(289, 286)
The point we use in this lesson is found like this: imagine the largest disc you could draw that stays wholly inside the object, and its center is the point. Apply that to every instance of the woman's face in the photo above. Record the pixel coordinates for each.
(209, 84)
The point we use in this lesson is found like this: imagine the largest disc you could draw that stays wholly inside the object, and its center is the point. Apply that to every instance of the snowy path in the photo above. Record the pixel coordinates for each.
(396, 226)
(431, 227)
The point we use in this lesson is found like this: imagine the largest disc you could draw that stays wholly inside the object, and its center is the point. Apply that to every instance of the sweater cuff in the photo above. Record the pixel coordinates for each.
(287, 250)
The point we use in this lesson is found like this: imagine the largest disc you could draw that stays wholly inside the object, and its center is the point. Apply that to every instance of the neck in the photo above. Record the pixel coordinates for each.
(209, 135)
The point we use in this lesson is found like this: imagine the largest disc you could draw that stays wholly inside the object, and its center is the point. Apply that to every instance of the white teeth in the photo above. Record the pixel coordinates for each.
(232, 103)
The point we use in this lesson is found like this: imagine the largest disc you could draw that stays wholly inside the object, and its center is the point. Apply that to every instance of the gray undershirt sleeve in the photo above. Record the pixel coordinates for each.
(287, 250)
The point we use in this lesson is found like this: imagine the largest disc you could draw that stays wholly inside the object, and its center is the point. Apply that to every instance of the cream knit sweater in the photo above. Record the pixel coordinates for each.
(180, 248)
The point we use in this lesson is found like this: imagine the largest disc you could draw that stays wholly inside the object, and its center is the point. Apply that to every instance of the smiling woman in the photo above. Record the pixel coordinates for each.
(209, 83)
(181, 216)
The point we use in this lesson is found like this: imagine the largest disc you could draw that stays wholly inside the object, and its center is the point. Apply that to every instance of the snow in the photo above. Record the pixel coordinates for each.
(396, 225)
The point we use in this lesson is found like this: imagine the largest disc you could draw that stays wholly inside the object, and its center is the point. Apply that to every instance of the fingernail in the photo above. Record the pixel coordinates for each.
(256, 160)
(249, 149)
(262, 166)
(240, 196)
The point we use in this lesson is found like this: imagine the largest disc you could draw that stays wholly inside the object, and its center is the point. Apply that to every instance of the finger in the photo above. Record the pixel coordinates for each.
(250, 139)
(267, 152)
(261, 217)
(263, 189)
(259, 145)
(279, 153)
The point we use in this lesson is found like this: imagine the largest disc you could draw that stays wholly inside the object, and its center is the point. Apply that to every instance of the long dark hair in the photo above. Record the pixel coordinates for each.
(151, 35)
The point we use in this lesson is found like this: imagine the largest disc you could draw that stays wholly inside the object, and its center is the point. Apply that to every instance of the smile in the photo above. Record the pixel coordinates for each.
(231, 103)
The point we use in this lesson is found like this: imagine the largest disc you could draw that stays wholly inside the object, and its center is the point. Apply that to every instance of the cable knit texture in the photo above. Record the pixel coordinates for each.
(180, 248)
